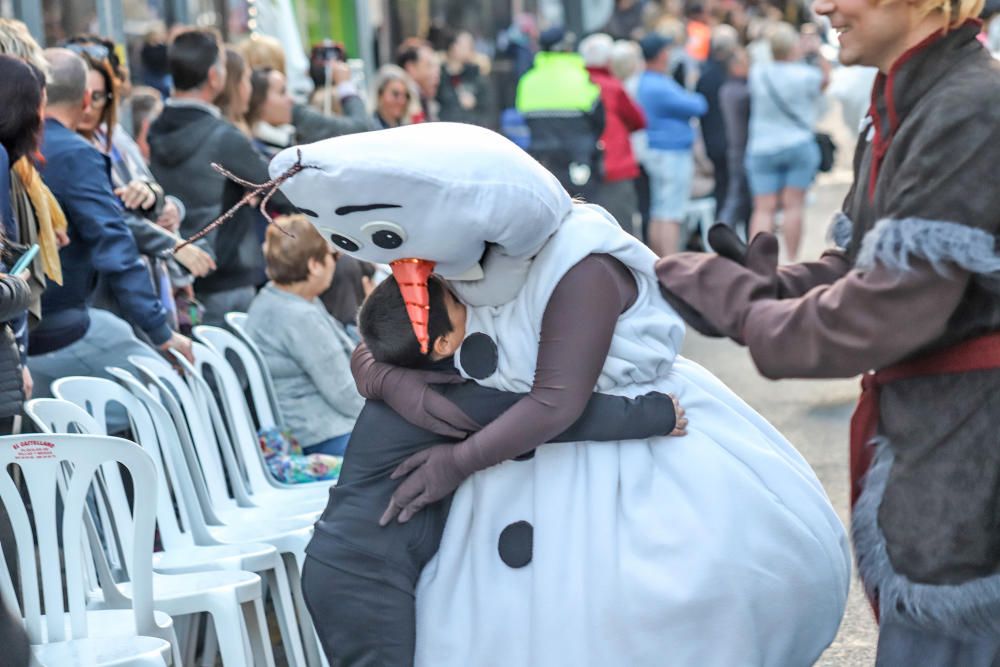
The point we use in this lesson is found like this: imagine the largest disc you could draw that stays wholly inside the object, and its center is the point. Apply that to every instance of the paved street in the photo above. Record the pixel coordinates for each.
(813, 415)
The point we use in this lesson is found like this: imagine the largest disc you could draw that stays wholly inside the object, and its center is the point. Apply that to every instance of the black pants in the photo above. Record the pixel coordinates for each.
(361, 622)
(644, 197)
(900, 645)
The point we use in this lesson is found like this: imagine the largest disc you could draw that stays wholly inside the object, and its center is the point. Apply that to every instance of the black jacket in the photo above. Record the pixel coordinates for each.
(184, 142)
(14, 297)
(447, 96)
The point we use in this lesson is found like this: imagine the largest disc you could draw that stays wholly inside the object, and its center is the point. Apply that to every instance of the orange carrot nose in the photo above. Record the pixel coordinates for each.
(412, 275)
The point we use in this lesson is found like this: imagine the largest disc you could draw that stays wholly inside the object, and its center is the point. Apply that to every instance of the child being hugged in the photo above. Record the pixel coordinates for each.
(359, 578)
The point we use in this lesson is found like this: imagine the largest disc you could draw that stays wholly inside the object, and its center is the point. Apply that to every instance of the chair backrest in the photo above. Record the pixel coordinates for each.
(240, 357)
(60, 415)
(237, 428)
(182, 483)
(195, 416)
(94, 395)
(237, 324)
(40, 459)
(55, 415)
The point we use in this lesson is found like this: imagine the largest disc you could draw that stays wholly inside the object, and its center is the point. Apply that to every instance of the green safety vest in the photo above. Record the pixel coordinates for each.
(556, 82)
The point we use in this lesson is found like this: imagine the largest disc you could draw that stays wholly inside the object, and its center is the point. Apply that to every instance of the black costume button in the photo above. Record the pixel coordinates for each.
(479, 356)
(527, 456)
(515, 544)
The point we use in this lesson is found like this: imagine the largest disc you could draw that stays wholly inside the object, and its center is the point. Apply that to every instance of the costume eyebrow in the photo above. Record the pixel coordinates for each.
(346, 210)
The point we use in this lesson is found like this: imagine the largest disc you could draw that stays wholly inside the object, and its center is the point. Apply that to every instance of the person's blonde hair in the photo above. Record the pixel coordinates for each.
(290, 243)
(262, 51)
(783, 38)
(672, 28)
(626, 59)
(16, 40)
(956, 12)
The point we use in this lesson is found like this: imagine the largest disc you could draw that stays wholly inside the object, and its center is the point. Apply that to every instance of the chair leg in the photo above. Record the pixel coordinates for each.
(231, 634)
(284, 609)
(255, 623)
(194, 634)
(211, 647)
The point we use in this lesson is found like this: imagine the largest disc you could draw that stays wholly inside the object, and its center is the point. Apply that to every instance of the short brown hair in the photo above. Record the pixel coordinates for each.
(288, 250)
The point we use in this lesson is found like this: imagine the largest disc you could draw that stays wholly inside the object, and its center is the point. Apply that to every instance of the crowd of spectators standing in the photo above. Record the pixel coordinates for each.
(665, 149)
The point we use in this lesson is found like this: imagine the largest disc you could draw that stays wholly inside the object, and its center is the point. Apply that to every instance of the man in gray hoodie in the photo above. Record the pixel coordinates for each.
(184, 141)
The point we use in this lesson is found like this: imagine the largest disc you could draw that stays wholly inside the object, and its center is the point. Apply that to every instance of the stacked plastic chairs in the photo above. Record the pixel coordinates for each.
(63, 470)
(230, 534)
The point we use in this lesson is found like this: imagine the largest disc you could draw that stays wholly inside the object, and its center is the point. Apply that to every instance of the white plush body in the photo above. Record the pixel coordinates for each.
(718, 549)
(715, 549)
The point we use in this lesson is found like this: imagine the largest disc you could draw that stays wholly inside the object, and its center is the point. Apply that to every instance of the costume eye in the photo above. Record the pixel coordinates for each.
(386, 235)
(344, 242)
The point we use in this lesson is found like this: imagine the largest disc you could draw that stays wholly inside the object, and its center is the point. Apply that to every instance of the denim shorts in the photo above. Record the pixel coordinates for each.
(793, 167)
(670, 176)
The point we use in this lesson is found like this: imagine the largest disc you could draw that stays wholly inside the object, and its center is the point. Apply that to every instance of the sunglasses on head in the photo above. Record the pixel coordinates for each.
(95, 51)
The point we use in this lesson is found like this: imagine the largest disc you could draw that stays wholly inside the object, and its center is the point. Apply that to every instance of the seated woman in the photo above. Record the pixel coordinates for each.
(307, 351)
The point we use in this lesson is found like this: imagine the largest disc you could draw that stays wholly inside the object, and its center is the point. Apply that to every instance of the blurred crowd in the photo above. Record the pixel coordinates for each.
(684, 115)
(672, 117)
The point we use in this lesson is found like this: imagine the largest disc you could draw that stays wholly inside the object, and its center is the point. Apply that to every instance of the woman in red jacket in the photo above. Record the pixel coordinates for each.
(617, 193)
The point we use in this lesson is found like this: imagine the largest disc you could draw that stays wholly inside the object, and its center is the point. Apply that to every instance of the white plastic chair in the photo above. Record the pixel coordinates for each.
(181, 555)
(227, 468)
(263, 393)
(232, 598)
(70, 634)
(229, 523)
(237, 429)
(181, 550)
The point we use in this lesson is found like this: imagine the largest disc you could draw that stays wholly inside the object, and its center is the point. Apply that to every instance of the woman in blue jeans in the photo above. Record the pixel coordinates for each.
(782, 156)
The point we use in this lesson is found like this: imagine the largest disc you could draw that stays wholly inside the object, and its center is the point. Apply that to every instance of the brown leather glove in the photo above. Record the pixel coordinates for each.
(713, 293)
(407, 391)
(431, 473)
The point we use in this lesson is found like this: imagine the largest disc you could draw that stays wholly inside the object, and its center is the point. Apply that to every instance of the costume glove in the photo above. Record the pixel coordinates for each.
(407, 391)
(431, 474)
(713, 293)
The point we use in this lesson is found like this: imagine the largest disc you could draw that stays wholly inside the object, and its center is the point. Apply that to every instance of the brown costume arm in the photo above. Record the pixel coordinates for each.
(407, 391)
(865, 320)
(577, 327)
(796, 279)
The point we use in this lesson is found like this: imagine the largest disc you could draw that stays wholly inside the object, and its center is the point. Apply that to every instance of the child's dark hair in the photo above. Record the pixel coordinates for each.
(385, 325)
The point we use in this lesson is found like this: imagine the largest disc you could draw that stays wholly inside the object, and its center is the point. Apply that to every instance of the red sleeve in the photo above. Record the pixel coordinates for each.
(630, 111)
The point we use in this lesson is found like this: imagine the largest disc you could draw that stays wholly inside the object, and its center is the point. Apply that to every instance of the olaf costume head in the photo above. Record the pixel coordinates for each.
(438, 192)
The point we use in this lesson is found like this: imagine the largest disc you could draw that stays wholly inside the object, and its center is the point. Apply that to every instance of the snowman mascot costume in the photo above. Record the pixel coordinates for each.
(715, 549)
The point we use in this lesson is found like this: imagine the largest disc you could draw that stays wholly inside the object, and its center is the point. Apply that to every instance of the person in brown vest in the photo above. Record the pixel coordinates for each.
(911, 300)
